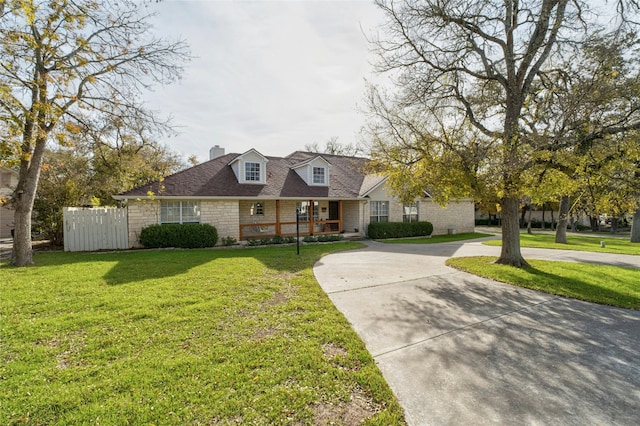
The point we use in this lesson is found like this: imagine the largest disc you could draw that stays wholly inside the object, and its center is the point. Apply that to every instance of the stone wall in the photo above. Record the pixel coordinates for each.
(458, 216)
(140, 215)
(221, 214)
(352, 216)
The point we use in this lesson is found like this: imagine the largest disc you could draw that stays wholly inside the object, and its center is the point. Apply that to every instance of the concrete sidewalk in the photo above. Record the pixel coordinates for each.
(458, 349)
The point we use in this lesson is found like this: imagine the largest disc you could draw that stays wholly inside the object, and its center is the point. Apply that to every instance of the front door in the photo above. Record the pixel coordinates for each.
(334, 214)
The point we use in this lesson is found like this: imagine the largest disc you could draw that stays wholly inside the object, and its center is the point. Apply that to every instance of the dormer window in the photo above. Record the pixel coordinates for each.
(319, 174)
(314, 172)
(252, 172)
(250, 167)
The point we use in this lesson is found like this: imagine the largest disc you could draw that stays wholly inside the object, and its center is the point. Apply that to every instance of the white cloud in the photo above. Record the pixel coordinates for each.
(267, 75)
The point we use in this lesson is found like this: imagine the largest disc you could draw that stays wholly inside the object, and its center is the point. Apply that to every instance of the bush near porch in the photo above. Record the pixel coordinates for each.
(382, 230)
(187, 235)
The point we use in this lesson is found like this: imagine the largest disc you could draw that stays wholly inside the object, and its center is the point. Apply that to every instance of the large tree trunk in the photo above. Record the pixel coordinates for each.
(510, 254)
(561, 230)
(635, 226)
(24, 196)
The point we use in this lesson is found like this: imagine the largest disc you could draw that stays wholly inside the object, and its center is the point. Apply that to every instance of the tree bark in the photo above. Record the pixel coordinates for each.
(529, 220)
(635, 226)
(25, 195)
(563, 219)
(510, 253)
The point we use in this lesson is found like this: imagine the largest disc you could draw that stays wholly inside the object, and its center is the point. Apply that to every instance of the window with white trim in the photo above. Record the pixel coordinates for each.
(257, 209)
(304, 207)
(379, 211)
(252, 172)
(410, 212)
(319, 175)
(179, 212)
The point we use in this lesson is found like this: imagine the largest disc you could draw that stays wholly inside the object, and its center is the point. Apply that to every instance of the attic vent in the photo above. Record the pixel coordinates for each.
(216, 152)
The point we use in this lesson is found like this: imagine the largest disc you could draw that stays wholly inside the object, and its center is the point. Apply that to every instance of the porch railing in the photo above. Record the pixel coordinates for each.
(286, 229)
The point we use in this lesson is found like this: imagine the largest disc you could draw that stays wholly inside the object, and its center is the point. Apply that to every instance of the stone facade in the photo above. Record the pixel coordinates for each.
(221, 214)
(224, 215)
(140, 215)
(228, 216)
(455, 216)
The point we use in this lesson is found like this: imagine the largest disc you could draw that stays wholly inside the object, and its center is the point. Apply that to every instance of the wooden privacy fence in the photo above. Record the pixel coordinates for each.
(90, 229)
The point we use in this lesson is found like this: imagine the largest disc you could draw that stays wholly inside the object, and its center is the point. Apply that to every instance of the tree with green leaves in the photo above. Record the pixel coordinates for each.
(62, 61)
(465, 73)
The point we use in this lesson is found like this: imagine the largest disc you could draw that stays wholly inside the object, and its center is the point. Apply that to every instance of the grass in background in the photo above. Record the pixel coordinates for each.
(437, 238)
(241, 336)
(581, 243)
(607, 285)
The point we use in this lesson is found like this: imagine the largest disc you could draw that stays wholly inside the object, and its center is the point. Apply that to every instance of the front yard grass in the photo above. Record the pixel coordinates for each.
(242, 336)
(437, 238)
(576, 242)
(607, 285)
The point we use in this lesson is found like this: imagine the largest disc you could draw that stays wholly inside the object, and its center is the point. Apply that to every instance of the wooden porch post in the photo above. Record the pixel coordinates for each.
(311, 224)
(340, 229)
(278, 228)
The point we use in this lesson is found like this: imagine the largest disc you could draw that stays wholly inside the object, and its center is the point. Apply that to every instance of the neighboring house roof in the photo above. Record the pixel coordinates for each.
(215, 178)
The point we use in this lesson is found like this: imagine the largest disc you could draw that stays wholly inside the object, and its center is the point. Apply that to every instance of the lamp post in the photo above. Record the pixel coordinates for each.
(298, 231)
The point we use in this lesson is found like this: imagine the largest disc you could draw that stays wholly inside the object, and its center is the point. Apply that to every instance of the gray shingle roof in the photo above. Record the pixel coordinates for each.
(215, 178)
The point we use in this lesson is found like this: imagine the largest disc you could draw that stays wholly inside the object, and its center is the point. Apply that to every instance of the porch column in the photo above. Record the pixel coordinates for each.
(311, 224)
(278, 227)
(340, 229)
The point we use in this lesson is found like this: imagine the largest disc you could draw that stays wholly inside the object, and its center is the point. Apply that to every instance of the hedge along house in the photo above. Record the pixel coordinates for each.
(251, 196)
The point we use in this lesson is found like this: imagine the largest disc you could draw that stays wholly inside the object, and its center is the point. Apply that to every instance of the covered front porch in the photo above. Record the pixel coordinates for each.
(269, 218)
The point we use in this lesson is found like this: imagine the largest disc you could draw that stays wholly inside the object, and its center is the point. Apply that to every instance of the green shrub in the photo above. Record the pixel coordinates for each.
(229, 241)
(277, 240)
(188, 235)
(289, 240)
(310, 239)
(329, 238)
(382, 230)
(253, 242)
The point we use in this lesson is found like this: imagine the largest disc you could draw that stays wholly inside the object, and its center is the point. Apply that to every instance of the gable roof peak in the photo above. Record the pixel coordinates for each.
(252, 150)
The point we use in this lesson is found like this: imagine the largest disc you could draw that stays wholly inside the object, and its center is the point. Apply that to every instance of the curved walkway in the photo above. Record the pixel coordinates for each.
(459, 349)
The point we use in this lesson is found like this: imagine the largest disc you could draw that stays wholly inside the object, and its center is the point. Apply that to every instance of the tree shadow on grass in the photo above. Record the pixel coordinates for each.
(616, 293)
(159, 264)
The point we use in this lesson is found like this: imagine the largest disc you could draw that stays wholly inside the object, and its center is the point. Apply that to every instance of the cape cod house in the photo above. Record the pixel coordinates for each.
(251, 195)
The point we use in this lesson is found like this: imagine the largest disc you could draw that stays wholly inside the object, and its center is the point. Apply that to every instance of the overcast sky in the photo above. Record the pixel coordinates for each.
(270, 75)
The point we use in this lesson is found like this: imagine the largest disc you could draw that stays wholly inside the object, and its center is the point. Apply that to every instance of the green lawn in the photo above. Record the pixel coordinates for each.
(241, 336)
(575, 242)
(608, 285)
(437, 238)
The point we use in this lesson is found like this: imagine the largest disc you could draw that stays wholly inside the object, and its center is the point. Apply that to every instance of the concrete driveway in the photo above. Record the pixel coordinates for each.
(458, 349)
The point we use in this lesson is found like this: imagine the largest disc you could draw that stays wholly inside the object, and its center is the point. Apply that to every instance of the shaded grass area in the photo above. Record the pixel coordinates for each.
(576, 242)
(437, 238)
(607, 285)
(243, 336)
